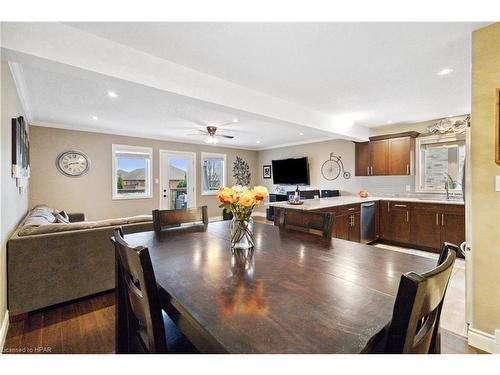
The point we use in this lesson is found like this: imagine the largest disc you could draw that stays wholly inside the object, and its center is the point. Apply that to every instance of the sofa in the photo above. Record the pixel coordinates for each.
(54, 257)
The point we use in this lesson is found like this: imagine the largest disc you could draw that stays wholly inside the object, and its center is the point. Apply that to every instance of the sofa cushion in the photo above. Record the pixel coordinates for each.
(44, 212)
(80, 225)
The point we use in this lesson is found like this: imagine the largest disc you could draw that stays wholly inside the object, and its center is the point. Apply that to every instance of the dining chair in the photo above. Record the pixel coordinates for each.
(306, 221)
(149, 328)
(171, 218)
(414, 328)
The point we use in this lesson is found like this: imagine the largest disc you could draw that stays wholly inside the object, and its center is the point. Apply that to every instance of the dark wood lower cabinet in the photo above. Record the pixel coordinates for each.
(418, 225)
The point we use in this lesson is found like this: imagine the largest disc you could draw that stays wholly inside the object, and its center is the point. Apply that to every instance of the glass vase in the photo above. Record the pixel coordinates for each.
(242, 234)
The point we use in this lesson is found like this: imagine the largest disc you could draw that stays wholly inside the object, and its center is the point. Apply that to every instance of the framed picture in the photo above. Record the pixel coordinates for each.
(20, 151)
(266, 171)
(497, 128)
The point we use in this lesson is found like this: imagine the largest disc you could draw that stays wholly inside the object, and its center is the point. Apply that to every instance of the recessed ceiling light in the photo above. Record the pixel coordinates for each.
(389, 122)
(450, 115)
(301, 133)
(445, 71)
(258, 141)
(235, 120)
(112, 94)
(95, 118)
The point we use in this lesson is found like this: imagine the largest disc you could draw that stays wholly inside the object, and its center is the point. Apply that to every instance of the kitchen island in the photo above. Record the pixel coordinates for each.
(422, 223)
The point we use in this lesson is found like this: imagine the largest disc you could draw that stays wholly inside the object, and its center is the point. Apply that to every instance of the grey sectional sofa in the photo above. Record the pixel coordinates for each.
(50, 262)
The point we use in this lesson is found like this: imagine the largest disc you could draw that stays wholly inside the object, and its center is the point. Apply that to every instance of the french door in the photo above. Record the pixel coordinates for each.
(177, 179)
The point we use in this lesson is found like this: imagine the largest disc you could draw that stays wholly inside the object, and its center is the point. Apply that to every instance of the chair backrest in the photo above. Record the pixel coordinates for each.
(330, 193)
(171, 218)
(143, 309)
(415, 322)
(304, 194)
(306, 221)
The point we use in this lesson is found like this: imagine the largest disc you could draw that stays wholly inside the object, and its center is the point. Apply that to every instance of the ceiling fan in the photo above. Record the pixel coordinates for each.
(212, 133)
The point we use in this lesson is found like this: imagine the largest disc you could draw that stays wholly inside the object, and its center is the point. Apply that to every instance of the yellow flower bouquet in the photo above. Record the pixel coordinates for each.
(240, 201)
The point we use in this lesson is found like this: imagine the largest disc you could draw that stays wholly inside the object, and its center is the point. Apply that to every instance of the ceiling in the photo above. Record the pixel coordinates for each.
(59, 97)
(300, 80)
(379, 71)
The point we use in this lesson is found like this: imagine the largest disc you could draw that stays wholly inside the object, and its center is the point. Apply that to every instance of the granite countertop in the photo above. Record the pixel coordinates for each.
(316, 204)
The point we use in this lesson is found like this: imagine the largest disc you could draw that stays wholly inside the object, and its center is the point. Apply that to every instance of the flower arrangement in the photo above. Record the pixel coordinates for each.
(240, 201)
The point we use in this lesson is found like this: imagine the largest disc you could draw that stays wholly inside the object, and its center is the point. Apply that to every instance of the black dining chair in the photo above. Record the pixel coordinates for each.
(149, 329)
(306, 221)
(414, 328)
(173, 218)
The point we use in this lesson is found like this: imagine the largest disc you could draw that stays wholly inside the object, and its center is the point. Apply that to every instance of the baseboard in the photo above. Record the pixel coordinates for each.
(3, 330)
(482, 340)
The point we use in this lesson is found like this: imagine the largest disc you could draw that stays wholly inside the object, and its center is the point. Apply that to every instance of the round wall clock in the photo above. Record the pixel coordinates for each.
(73, 163)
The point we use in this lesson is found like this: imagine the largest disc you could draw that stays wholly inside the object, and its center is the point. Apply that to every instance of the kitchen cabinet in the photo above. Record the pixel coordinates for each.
(362, 159)
(400, 155)
(379, 153)
(347, 222)
(386, 155)
(399, 222)
(426, 225)
(384, 209)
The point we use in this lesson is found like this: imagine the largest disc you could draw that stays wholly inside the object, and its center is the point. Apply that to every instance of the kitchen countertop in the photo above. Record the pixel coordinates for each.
(316, 204)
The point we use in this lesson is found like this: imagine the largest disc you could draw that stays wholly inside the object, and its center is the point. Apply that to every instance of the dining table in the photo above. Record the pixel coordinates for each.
(294, 292)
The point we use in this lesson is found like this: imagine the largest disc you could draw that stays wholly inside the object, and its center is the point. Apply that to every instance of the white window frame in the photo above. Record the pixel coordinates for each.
(433, 139)
(205, 155)
(148, 194)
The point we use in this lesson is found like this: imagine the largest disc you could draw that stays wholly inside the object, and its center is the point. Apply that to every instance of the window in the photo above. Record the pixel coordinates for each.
(439, 158)
(213, 172)
(131, 172)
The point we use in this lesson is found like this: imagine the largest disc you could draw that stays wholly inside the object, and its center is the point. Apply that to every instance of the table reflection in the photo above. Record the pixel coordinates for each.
(243, 294)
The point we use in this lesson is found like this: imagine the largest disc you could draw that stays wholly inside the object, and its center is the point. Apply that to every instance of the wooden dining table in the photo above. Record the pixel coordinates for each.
(294, 293)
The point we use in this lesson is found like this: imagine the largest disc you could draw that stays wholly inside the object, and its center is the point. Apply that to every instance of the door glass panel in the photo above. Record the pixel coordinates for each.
(178, 182)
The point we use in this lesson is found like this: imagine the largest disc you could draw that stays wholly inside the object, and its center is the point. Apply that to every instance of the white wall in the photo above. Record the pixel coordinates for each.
(14, 205)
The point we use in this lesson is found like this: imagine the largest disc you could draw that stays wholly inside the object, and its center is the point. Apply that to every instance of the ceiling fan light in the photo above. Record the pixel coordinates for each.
(211, 140)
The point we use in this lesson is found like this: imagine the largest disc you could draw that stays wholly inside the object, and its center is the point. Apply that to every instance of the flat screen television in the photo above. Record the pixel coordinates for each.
(291, 171)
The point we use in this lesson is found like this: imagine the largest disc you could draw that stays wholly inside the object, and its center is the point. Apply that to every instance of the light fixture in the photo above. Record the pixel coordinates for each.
(445, 71)
(95, 118)
(389, 122)
(211, 140)
(235, 120)
(112, 94)
(258, 141)
(301, 133)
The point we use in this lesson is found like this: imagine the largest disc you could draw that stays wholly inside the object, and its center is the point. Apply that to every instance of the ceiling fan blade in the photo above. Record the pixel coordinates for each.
(225, 136)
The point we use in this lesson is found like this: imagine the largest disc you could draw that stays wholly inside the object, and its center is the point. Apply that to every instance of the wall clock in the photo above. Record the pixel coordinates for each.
(73, 163)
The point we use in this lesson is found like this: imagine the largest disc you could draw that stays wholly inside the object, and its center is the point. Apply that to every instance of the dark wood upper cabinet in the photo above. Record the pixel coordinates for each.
(362, 159)
(386, 155)
(379, 153)
(400, 155)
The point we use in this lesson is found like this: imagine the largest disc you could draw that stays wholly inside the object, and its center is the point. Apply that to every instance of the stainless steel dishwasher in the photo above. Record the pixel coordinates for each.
(368, 222)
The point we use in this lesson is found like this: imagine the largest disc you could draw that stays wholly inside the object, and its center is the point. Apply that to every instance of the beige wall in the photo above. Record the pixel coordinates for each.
(91, 193)
(14, 204)
(485, 201)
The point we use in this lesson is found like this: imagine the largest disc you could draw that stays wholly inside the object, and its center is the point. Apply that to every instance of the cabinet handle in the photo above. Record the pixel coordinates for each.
(371, 170)
(352, 209)
(407, 216)
(407, 169)
(400, 205)
(442, 220)
(437, 219)
(367, 171)
(388, 207)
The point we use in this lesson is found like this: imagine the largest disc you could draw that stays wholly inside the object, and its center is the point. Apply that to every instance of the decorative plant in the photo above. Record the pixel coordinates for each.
(241, 172)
